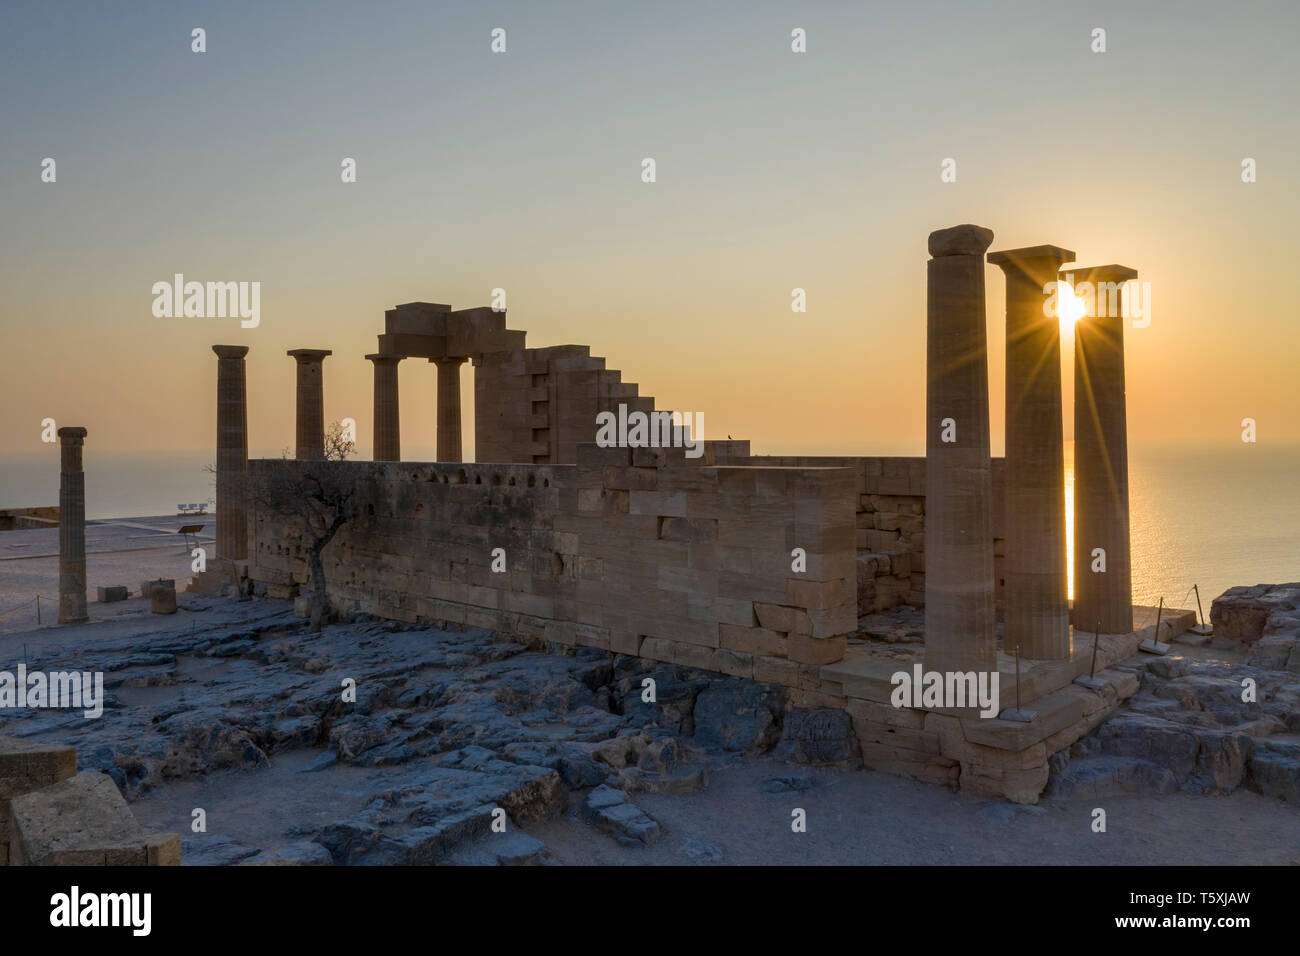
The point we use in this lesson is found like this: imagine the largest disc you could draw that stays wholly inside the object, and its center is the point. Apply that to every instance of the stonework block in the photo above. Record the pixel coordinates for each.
(774, 670)
(812, 650)
(753, 640)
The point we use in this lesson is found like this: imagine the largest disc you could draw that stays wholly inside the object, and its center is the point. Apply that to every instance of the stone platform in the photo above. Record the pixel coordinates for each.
(989, 756)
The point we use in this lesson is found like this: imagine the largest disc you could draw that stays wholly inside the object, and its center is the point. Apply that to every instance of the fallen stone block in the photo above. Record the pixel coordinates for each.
(107, 595)
(162, 600)
(81, 821)
(146, 587)
(27, 766)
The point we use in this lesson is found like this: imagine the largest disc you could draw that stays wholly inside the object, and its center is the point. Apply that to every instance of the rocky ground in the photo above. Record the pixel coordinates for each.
(233, 708)
(1211, 716)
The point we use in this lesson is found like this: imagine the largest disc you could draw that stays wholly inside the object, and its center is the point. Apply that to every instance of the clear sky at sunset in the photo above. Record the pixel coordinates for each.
(522, 171)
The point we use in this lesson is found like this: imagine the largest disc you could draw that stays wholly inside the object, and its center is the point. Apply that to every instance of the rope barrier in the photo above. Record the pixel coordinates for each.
(17, 607)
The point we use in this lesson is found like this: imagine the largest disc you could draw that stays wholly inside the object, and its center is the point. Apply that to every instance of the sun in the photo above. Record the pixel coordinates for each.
(1069, 307)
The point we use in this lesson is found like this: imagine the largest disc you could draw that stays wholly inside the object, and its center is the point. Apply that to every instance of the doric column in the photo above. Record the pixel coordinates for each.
(388, 439)
(232, 452)
(1101, 516)
(311, 403)
(448, 407)
(959, 613)
(1036, 610)
(72, 527)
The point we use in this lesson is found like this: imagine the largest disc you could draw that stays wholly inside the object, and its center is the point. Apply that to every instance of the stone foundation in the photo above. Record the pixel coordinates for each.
(641, 552)
(634, 551)
(989, 756)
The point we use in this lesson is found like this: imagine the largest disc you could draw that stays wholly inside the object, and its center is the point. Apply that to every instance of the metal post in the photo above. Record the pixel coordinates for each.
(1096, 635)
(1198, 604)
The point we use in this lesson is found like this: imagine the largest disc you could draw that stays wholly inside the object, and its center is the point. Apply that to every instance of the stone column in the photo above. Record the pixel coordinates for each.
(1101, 516)
(448, 407)
(388, 439)
(1036, 610)
(311, 403)
(232, 452)
(72, 527)
(959, 614)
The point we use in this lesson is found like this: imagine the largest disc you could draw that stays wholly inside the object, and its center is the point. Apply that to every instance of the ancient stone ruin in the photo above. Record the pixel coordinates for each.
(752, 566)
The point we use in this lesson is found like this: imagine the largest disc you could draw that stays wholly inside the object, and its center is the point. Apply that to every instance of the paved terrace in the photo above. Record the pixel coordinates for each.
(119, 551)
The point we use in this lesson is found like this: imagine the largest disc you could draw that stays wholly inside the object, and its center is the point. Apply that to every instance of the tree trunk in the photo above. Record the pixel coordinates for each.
(318, 601)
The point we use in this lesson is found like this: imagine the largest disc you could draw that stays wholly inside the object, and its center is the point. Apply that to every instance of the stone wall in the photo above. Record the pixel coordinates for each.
(890, 524)
(636, 551)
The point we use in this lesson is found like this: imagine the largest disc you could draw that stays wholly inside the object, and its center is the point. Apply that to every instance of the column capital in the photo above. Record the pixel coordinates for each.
(381, 359)
(1038, 263)
(1106, 273)
(72, 434)
(963, 240)
(450, 360)
(230, 351)
(309, 355)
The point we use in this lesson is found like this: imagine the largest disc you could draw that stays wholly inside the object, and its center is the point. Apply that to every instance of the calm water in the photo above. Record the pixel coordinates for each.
(1217, 517)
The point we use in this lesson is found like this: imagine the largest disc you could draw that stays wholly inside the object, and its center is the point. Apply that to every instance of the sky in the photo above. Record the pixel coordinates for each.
(522, 170)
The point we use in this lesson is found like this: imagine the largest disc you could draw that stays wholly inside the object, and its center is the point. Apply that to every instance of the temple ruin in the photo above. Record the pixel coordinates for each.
(748, 565)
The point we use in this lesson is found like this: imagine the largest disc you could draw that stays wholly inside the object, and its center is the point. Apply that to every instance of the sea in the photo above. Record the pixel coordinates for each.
(1216, 517)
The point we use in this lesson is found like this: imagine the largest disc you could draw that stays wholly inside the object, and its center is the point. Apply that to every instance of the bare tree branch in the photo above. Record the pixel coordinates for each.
(317, 497)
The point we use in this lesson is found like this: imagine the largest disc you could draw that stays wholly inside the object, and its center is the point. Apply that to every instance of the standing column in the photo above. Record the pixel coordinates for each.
(72, 527)
(448, 408)
(232, 452)
(1101, 517)
(388, 439)
(1036, 610)
(311, 403)
(959, 614)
